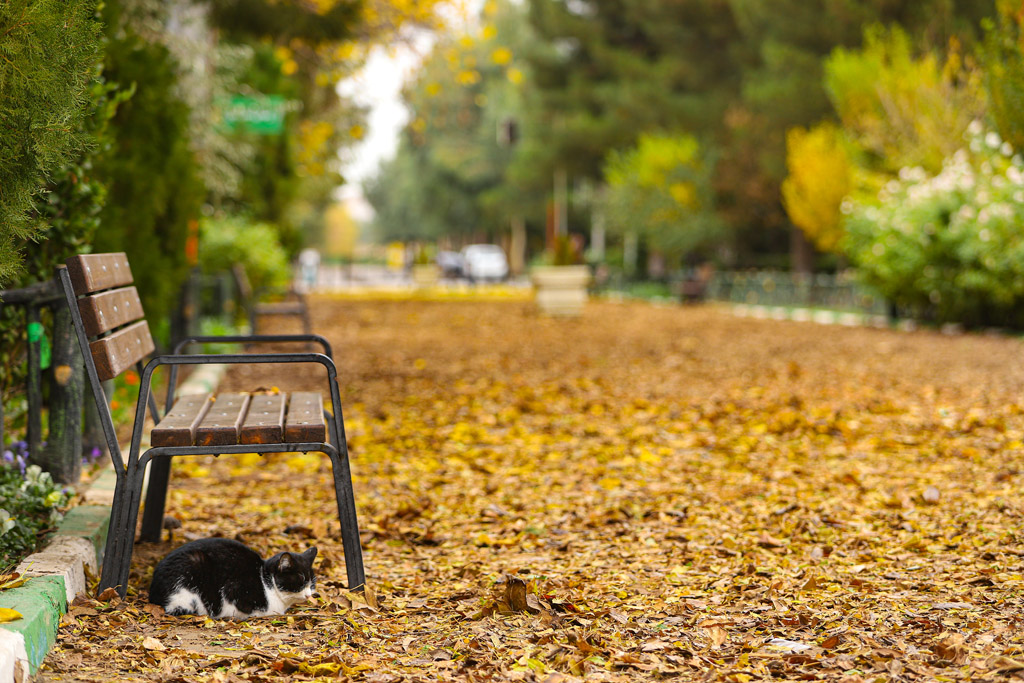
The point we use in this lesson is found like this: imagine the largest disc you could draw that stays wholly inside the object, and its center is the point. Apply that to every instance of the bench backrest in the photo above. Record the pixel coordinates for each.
(107, 316)
(111, 312)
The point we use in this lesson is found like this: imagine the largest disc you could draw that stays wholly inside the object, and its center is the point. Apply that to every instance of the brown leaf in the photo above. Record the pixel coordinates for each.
(109, 595)
(951, 647)
(1005, 665)
(515, 594)
(370, 596)
(151, 643)
(717, 635)
(830, 642)
(154, 610)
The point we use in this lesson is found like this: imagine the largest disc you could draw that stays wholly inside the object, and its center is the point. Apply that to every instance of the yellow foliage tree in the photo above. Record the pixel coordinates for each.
(820, 176)
(341, 232)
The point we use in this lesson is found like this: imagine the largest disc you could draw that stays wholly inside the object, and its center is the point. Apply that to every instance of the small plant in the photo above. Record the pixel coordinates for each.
(424, 256)
(31, 504)
(566, 251)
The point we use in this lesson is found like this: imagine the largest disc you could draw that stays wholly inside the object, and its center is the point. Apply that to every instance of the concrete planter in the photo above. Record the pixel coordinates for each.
(560, 290)
(426, 275)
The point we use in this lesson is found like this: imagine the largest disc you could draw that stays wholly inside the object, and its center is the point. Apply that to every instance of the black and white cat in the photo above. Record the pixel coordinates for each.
(223, 578)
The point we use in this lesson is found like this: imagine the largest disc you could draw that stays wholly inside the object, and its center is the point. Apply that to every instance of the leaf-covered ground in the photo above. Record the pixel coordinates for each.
(641, 494)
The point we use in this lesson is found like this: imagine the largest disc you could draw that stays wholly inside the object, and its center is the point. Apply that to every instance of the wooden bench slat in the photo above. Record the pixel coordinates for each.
(178, 428)
(95, 272)
(104, 311)
(223, 420)
(305, 421)
(264, 423)
(118, 352)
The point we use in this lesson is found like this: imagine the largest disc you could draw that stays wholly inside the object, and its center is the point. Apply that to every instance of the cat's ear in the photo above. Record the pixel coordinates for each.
(285, 563)
(309, 555)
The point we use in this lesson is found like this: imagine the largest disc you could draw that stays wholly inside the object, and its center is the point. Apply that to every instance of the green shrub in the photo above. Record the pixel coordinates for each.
(948, 247)
(228, 240)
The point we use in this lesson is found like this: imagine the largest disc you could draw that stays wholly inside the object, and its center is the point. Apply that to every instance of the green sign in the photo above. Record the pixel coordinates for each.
(261, 114)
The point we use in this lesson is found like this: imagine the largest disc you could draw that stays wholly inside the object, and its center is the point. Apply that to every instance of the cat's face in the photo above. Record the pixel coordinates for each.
(293, 575)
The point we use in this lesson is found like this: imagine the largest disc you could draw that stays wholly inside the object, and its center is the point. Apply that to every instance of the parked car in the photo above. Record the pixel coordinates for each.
(484, 262)
(450, 263)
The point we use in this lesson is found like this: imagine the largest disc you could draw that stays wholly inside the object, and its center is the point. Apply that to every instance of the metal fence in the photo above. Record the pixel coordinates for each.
(775, 288)
(841, 293)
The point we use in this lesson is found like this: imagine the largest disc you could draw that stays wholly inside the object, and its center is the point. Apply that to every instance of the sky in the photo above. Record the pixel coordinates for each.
(379, 87)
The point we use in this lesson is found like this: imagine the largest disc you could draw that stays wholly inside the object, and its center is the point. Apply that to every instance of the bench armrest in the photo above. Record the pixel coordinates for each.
(256, 339)
(172, 380)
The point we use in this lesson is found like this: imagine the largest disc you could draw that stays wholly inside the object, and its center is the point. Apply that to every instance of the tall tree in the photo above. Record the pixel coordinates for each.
(49, 50)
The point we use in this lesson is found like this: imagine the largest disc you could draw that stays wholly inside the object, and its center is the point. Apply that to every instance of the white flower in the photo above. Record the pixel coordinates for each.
(975, 127)
(1006, 150)
(984, 235)
(1014, 175)
(846, 207)
(992, 140)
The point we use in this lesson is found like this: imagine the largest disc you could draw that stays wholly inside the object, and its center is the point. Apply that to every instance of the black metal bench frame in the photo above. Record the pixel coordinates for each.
(130, 474)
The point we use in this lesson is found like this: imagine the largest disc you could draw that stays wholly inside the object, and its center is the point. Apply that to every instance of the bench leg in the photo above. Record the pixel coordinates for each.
(345, 497)
(112, 547)
(349, 525)
(120, 536)
(156, 500)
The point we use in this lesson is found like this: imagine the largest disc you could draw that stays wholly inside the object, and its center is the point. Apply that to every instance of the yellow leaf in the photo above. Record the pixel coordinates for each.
(8, 614)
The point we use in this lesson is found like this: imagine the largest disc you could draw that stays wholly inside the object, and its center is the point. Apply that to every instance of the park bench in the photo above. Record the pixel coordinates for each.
(293, 302)
(108, 319)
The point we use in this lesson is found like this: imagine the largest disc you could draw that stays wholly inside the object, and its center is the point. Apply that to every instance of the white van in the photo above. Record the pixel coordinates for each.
(484, 262)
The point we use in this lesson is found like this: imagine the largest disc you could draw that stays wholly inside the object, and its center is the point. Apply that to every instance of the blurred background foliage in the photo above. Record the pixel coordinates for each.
(745, 133)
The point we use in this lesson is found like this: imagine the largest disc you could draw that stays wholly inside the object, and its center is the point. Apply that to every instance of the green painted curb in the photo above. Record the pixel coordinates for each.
(41, 602)
(90, 522)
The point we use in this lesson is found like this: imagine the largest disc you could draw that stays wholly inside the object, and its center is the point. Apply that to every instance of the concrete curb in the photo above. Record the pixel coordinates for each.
(57, 572)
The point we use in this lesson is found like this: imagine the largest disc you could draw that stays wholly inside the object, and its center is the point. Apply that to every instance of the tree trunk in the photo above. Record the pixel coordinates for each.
(62, 456)
(801, 253)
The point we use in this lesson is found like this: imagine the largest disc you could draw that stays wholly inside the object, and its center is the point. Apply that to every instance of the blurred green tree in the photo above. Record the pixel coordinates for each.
(901, 107)
(661, 190)
(150, 170)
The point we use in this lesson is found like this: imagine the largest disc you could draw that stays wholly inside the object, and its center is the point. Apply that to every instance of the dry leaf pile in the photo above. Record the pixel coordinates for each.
(641, 494)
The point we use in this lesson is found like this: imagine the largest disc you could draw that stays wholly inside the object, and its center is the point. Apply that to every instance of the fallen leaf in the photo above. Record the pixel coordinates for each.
(951, 647)
(8, 614)
(151, 643)
(515, 594)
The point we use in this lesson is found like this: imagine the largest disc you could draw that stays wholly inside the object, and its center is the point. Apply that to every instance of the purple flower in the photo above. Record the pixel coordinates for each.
(8, 456)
